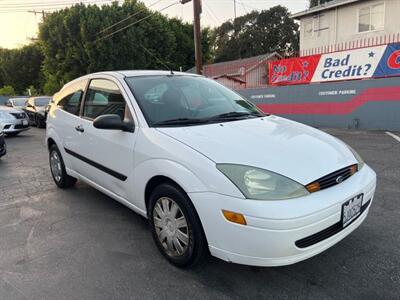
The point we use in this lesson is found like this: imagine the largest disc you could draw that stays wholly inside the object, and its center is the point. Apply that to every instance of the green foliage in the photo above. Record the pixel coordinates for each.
(317, 2)
(31, 91)
(21, 67)
(7, 90)
(256, 33)
(70, 40)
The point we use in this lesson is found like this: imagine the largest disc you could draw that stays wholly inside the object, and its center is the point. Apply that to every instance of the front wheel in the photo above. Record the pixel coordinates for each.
(12, 133)
(176, 227)
(57, 167)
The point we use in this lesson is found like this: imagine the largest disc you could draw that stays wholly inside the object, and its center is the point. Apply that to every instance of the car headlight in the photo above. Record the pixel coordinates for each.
(359, 159)
(260, 184)
(5, 116)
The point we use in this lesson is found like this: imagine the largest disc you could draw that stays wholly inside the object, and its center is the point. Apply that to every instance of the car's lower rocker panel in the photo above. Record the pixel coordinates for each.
(327, 232)
(97, 165)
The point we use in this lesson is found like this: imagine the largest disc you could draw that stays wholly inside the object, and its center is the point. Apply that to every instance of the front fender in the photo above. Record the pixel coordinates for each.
(148, 169)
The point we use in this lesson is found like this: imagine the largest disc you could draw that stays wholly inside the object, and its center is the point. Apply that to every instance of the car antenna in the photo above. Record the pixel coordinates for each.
(158, 59)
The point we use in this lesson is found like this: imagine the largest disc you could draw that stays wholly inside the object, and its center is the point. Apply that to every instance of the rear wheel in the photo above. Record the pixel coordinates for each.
(57, 167)
(176, 227)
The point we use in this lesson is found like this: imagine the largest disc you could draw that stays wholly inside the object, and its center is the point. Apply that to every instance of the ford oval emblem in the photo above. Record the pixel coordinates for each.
(339, 179)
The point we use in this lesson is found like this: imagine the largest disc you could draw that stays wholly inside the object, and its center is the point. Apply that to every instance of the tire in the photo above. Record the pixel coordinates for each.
(57, 168)
(13, 133)
(40, 123)
(168, 230)
(37, 122)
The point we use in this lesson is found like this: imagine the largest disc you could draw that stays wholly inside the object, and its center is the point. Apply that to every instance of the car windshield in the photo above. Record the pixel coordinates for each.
(42, 101)
(19, 102)
(176, 100)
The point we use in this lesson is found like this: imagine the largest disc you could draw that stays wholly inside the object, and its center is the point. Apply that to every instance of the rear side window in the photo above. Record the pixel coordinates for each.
(103, 97)
(71, 103)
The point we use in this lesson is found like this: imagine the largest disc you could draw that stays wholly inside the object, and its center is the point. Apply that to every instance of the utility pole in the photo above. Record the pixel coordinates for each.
(234, 8)
(197, 33)
(43, 13)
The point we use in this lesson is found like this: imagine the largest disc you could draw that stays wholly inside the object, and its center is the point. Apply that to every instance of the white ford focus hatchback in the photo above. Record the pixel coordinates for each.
(207, 168)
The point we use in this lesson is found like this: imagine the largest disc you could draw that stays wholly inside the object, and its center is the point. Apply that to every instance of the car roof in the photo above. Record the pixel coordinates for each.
(36, 97)
(128, 73)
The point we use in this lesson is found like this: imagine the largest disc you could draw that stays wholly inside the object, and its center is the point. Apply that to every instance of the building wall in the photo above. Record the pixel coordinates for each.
(340, 25)
(364, 104)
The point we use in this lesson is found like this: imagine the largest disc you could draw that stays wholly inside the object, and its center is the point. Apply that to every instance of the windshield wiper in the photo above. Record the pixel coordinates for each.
(235, 115)
(180, 121)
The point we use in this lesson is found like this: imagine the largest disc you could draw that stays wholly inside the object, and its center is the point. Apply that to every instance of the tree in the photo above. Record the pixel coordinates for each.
(72, 44)
(257, 33)
(318, 2)
(21, 68)
(7, 90)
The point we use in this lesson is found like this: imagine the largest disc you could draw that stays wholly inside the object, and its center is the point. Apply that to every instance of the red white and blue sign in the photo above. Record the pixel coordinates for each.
(369, 62)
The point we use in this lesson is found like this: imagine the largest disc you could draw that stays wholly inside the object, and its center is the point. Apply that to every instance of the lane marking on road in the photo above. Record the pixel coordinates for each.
(397, 138)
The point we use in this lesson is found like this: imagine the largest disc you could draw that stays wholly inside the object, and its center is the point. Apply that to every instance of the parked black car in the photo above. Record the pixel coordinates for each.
(36, 110)
(3, 147)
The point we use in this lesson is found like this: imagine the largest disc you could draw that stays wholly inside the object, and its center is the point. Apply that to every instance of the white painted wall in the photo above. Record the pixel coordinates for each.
(341, 24)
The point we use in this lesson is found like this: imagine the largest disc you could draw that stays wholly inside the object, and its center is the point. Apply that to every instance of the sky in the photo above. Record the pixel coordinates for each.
(18, 26)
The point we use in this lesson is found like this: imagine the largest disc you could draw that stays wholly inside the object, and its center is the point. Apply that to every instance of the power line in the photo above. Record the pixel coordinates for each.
(128, 17)
(211, 13)
(49, 4)
(156, 57)
(134, 23)
(53, 7)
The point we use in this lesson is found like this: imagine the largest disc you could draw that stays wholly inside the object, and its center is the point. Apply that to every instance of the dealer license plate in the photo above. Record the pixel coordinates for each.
(351, 209)
(24, 122)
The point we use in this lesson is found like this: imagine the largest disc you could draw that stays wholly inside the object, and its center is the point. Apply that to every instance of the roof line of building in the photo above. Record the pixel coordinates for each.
(322, 7)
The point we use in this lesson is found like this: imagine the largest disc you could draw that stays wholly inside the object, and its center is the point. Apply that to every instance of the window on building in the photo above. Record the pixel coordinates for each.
(371, 18)
(308, 28)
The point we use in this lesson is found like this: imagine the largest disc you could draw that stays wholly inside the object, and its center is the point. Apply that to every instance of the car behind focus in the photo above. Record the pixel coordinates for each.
(36, 110)
(13, 120)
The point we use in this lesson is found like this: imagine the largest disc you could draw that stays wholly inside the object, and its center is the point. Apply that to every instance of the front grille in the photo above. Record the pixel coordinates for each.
(327, 232)
(19, 115)
(19, 126)
(332, 179)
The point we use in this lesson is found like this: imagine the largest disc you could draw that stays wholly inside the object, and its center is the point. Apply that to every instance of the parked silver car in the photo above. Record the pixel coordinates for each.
(18, 103)
(13, 120)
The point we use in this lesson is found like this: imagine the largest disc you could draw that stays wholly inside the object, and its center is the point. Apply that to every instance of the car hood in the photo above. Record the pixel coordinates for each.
(294, 150)
(8, 109)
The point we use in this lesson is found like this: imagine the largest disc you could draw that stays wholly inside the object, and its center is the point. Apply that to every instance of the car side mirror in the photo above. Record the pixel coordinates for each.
(113, 122)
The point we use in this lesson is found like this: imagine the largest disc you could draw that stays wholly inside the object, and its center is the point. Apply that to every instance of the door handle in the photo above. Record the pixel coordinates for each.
(79, 128)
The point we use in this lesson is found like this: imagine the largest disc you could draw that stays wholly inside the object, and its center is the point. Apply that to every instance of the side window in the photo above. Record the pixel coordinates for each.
(71, 103)
(103, 97)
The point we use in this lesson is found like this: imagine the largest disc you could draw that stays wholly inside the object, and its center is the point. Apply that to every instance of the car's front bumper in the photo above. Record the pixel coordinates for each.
(17, 125)
(273, 227)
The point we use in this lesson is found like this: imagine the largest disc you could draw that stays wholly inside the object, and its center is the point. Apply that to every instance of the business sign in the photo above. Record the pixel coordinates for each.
(379, 61)
(293, 70)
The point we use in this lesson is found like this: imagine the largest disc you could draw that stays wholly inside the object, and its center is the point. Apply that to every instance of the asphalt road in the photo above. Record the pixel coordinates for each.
(80, 244)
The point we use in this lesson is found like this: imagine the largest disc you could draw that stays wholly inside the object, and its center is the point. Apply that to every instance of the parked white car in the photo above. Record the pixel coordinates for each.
(207, 168)
(13, 120)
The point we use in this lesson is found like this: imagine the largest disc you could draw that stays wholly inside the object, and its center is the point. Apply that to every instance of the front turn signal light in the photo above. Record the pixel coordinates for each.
(313, 187)
(234, 217)
(353, 169)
